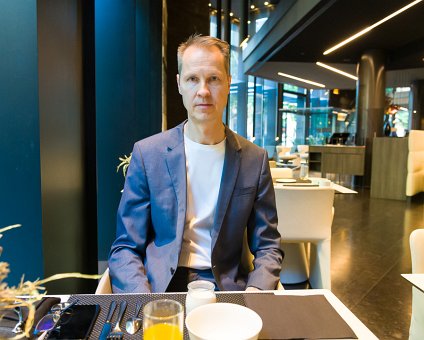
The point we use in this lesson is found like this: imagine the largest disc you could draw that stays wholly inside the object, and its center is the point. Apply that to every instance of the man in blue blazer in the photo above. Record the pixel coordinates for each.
(192, 192)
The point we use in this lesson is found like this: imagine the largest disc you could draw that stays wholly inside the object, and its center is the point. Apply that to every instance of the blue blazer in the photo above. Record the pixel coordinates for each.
(151, 217)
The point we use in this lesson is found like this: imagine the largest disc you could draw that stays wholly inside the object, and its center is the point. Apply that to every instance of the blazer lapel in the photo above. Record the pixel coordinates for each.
(228, 181)
(176, 163)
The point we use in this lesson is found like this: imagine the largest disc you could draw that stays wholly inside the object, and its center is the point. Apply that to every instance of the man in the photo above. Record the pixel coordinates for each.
(193, 191)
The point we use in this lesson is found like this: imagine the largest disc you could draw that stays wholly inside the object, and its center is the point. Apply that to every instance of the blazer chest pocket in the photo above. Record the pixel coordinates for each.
(244, 191)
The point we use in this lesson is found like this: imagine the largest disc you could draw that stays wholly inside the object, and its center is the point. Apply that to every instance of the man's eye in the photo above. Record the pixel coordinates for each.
(214, 78)
(191, 79)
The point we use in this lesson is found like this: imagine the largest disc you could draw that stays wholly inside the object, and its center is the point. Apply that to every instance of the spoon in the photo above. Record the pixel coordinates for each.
(133, 324)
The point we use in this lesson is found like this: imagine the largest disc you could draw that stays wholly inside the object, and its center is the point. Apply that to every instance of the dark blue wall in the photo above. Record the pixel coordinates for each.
(128, 95)
(20, 192)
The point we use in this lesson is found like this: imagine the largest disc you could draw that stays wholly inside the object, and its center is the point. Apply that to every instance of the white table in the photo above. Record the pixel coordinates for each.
(361, 331)
(315, 180)
(416, 279)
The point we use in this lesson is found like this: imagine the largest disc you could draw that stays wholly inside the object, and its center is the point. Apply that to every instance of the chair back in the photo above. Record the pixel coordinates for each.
(281, 173)
(104, 286)
(416, 242)
(304, 213)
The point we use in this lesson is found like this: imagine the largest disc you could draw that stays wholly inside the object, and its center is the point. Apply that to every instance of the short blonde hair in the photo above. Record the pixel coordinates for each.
(205, 41)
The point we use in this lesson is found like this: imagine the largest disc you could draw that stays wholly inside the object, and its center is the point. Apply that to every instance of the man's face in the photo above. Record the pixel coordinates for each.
(203, 84)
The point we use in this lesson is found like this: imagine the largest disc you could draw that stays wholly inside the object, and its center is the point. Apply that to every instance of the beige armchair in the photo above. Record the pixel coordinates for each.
(416, 241)
(415, 175)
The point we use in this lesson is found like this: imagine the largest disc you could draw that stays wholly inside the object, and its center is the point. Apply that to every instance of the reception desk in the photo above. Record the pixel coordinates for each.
(337, 159)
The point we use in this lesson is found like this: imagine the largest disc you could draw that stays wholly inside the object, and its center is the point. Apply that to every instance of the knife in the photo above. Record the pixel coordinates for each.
(108, 325)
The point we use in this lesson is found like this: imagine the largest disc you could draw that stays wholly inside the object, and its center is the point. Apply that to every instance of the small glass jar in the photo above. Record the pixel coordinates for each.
(304, 171)
(199, 293)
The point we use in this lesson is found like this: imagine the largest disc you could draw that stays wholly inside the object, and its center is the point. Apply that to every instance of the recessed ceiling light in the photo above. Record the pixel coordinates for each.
(351, 76)
(300, 79)
(252, 6)
(369, 28)
(231, 14)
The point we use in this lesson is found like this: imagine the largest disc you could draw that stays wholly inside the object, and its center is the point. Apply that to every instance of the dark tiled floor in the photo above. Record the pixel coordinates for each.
(370, 249)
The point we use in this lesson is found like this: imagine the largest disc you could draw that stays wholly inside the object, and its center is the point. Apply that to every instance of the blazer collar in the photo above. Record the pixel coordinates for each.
(228, 181)
(176, 162)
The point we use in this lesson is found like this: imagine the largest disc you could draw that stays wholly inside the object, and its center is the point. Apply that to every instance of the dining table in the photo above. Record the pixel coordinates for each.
(286, 314)
(315, 182)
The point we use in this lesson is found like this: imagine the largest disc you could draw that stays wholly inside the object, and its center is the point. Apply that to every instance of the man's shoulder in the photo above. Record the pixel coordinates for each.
(245, 144)
(162, 139)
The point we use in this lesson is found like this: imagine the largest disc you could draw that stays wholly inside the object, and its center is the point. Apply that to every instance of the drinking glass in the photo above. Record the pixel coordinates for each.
(304, 171)
(163, 319)
(199, 293)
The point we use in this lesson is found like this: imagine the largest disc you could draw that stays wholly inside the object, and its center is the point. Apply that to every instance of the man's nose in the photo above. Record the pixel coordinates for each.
(203, 90)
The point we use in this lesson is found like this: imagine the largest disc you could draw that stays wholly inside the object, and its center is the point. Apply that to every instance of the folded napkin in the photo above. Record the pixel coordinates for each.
(298, 317)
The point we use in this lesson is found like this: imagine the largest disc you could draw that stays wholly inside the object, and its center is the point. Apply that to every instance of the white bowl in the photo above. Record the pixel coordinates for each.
(222, 321)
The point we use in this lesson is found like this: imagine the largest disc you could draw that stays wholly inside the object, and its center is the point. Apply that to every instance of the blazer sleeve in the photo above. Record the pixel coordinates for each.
(126, 258)
(264, 238)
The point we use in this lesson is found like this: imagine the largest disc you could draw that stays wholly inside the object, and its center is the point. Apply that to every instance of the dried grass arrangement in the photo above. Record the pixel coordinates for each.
(26, 293)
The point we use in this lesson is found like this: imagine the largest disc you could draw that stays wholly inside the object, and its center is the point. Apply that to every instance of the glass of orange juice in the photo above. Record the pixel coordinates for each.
(163, 319)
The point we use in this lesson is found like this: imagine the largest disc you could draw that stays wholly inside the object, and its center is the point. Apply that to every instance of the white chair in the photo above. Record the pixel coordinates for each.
(305, 216)
(281, 173)
(416, 241)
(104, 286)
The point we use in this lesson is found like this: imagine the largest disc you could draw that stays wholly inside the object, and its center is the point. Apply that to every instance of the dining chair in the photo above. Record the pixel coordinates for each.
(104, 286)
(416, 242)
(305, 217)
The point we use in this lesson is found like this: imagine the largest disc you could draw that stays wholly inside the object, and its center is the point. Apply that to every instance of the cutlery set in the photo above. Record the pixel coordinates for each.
(132, 325)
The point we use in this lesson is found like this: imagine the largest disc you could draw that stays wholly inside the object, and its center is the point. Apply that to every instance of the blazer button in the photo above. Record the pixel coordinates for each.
(172, 271)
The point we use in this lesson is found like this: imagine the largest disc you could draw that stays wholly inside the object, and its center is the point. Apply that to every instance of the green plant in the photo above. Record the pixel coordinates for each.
(125, 162)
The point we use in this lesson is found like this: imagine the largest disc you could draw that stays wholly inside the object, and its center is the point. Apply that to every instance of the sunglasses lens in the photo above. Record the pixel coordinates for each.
(46, 323)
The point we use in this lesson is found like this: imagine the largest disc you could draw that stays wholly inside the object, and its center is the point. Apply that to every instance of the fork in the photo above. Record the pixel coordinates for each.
(117, 332)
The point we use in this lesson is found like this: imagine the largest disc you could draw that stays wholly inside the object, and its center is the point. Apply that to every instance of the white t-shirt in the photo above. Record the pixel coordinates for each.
(204, 164)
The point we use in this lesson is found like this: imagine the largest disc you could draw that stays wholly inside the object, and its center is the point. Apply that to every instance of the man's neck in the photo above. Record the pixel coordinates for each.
(207, 134)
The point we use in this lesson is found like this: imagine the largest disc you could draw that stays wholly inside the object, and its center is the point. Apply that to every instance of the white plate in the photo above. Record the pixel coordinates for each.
(285, 180)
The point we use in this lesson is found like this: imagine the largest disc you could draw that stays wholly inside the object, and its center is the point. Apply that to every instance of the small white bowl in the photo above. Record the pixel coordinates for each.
(223, 321)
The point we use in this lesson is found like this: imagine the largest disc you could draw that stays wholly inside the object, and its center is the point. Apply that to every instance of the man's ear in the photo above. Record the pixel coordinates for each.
(178, 83)
(229, 84)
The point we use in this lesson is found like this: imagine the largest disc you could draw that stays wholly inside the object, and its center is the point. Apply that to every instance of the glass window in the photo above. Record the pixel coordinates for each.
(399, 99)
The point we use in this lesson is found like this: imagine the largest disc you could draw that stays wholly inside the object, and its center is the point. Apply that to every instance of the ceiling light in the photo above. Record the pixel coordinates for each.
(210, 5)
(300, 79)
(248, 22)
(266, 3)
(351, 76)
(369, 28)
(252, 6)
(231, 14)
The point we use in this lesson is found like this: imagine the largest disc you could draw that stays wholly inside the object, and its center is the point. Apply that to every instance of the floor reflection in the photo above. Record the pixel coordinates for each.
(370, 249)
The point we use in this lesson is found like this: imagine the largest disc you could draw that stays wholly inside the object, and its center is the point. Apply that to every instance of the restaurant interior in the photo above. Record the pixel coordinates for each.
(333, 90)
